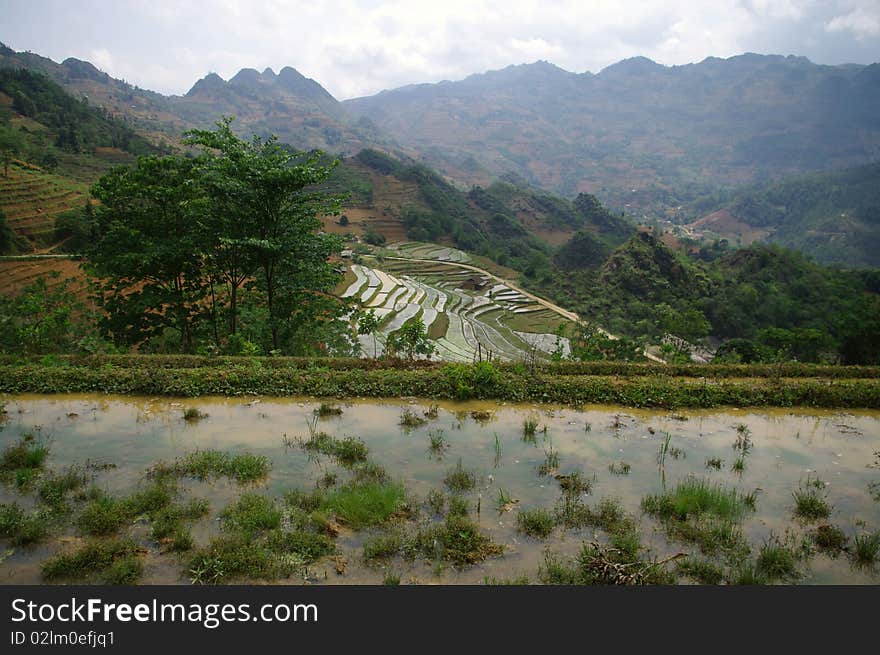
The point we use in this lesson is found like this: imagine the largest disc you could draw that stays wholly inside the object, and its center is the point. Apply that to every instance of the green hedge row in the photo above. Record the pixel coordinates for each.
(446, 382)
(622, 369)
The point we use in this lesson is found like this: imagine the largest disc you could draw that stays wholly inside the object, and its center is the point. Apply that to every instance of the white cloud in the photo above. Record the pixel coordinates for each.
(863, 22)
(358, 47)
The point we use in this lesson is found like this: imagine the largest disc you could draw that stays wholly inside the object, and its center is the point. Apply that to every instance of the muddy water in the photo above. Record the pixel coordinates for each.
(788, 446)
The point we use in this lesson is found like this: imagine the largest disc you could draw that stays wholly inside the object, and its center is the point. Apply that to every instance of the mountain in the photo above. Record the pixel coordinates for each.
(834, 217)
(295, 108)
(520, 227)
(639, 135)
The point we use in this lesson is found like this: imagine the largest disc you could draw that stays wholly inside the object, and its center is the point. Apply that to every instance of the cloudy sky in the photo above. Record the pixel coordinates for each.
(359, 47)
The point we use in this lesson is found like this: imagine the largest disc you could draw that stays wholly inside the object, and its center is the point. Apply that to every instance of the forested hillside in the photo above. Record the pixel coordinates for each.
(834, 217)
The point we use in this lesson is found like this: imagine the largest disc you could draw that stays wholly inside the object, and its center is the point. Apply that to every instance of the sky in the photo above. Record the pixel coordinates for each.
(359, 47)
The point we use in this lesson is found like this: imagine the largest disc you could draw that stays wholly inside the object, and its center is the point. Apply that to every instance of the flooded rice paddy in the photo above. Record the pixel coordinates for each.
(625, 453)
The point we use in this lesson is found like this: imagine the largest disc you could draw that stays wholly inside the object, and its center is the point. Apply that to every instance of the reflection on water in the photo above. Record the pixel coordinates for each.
(787, 446)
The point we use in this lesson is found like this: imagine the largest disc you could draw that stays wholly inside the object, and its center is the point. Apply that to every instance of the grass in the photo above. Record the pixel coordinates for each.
(598, 564)
(664, 449)
(362, 505)
(391, 580)
(777, 561)
(536, 522)
(575, 483)
(325, 410)
(193, 414)
(458, 540)
(53, 489)
(610, 382)
(459, 480)
(437, 443)
(105, 514)
(251, 514)
(22, 461)
(348, 451)
(550, 465)
(505, 502)
(619, 468)
(693, 497)
(829, 539)
(530, 426)
(244, 468)
(20, 527)
(809, 501)
(110, 561)
(700, 512)
(701, 570)
(866, 548)
(409, 419)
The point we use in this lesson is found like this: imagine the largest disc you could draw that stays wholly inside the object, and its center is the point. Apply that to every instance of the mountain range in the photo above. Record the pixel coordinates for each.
(650, 141)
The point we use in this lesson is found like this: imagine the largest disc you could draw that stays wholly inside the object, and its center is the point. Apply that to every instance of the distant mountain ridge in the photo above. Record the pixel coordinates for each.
(295, 108)
(638, 134)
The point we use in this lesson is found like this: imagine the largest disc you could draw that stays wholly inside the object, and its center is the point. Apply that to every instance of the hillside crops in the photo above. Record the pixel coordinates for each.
(466, 313)
(32, 199)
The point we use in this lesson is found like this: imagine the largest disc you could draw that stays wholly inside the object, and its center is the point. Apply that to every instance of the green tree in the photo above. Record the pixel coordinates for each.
(11, 144)
(410, 340)
(368, 323)
(42, 318)
(265, 216)
(149, 254)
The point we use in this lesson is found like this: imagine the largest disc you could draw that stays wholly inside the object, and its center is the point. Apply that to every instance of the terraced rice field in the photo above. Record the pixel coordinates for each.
(33, 199)
(462, 320)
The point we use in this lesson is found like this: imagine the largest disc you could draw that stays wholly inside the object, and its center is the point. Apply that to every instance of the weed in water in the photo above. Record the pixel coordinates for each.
(619, 468)
(193, 414)
(382, 546)
(348, 451)
(326, 409)
(550, 465)
(54, 488)
(866, 548)
(701, 570)
(776, 560)
(664, 449)
(482, 415)
(693, 497)
(598, 564)
(409, 419)
(460, 480)
(458, 506)
(714, 463)
(437, 443)
(251, 514)
(432, 412)
(575, 483)
(810, 501)
(210, 464)
(739, 465)
(111, 561)
(365, 504)
(329, 479)
(505, 502)
(436, 501)
(22, 461)
(530, 425)
(829, 539)
(20, 527)
(536, 522)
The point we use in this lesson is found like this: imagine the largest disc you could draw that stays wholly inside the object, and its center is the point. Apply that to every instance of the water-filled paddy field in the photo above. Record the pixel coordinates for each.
(467, 493)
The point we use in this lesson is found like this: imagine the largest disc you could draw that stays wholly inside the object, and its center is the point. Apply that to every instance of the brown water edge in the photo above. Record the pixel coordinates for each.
(789, 444)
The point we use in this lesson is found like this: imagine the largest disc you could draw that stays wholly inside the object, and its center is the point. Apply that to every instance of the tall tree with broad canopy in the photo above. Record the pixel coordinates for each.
(148, 251)
(264, 222)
